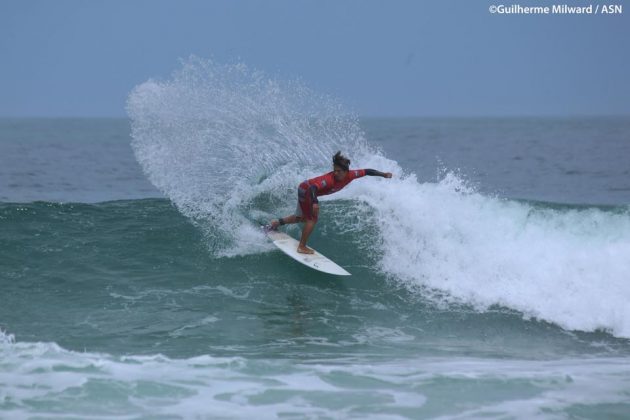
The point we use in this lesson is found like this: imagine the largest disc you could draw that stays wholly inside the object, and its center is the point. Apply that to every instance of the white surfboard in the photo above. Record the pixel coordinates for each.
(316, 261)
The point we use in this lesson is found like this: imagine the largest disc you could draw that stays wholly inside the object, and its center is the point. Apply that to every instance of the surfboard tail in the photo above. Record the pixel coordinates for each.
(316, 261)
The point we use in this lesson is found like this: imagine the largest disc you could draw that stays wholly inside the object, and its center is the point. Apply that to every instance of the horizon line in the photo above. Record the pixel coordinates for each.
(367, 116)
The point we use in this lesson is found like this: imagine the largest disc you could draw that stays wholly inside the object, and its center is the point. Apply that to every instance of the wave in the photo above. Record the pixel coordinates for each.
(440, 241)
(228, 145)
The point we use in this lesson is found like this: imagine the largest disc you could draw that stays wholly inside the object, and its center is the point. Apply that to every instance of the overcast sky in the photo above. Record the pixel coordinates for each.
(381, 58)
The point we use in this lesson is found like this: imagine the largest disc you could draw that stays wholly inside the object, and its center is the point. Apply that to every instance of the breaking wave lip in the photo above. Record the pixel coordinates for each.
(566, 266)
(228, 145)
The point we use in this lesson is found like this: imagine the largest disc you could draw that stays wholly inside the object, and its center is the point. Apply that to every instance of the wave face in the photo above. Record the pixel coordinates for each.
(228, 145)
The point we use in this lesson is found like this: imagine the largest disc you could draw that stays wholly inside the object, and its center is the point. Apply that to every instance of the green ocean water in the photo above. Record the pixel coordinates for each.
(134, 277)
(117, 308)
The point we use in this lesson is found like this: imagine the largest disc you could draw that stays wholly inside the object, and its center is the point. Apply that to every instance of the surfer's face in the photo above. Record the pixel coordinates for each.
(339, 172)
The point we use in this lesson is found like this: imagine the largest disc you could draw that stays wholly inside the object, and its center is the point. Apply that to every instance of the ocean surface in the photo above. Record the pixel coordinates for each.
(490, 276)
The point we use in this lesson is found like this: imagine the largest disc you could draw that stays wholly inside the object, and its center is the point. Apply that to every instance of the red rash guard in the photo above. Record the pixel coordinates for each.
(308, 191)
(327, 184)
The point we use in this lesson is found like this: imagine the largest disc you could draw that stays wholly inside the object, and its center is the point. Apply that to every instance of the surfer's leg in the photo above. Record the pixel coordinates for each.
(288, 220)
(309, 225)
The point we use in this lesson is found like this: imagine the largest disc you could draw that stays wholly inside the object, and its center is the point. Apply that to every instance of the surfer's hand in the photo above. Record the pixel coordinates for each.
(315, 209)
(387, 175)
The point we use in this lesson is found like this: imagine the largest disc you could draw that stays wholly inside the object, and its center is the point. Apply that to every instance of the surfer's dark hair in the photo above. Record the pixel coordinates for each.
(341, 161)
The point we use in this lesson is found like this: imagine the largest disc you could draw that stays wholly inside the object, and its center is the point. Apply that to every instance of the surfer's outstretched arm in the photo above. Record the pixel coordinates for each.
(374, 172)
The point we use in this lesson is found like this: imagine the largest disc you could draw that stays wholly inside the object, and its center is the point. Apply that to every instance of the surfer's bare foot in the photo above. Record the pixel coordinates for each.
(305, 250)
(274, 225)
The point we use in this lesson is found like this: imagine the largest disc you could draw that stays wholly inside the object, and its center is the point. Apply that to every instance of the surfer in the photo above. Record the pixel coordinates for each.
(308, 191)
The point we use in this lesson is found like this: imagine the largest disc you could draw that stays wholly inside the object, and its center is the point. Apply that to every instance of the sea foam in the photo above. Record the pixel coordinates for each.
(44, 379)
